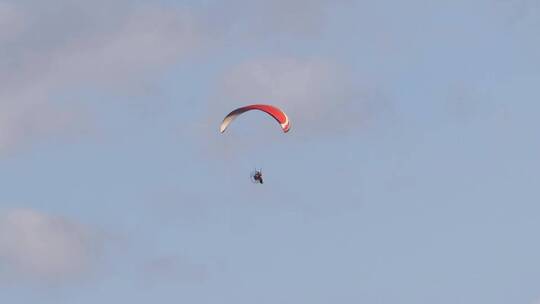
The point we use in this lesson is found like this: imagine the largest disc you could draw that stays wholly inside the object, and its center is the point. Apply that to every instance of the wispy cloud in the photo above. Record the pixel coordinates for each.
(48, 52)
(11, 21)
(318, 94)
(39, 246)
(517, 11)
(275, 19)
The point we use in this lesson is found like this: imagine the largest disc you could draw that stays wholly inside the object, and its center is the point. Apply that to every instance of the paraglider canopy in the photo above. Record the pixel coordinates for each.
(275, 112)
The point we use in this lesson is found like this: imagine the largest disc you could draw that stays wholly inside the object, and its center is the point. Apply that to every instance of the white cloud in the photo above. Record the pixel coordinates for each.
(148, 40)
(517, 11)
(99, 46)
(11, 21)
(274, 19)
(318, 94)
(40, 246)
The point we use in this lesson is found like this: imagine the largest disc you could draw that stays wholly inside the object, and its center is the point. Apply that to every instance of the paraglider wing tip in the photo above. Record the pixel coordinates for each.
(286, 127)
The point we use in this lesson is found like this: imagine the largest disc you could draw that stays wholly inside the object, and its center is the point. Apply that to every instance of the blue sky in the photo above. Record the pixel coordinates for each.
(410, 174)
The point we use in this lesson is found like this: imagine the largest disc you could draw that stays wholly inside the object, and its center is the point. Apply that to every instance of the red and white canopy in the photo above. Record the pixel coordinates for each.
(275, 112)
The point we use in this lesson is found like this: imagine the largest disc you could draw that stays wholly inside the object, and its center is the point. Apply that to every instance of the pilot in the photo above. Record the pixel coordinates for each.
(258, 177)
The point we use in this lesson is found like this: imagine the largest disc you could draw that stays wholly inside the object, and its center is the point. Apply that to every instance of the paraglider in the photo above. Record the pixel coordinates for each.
(274, 112)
